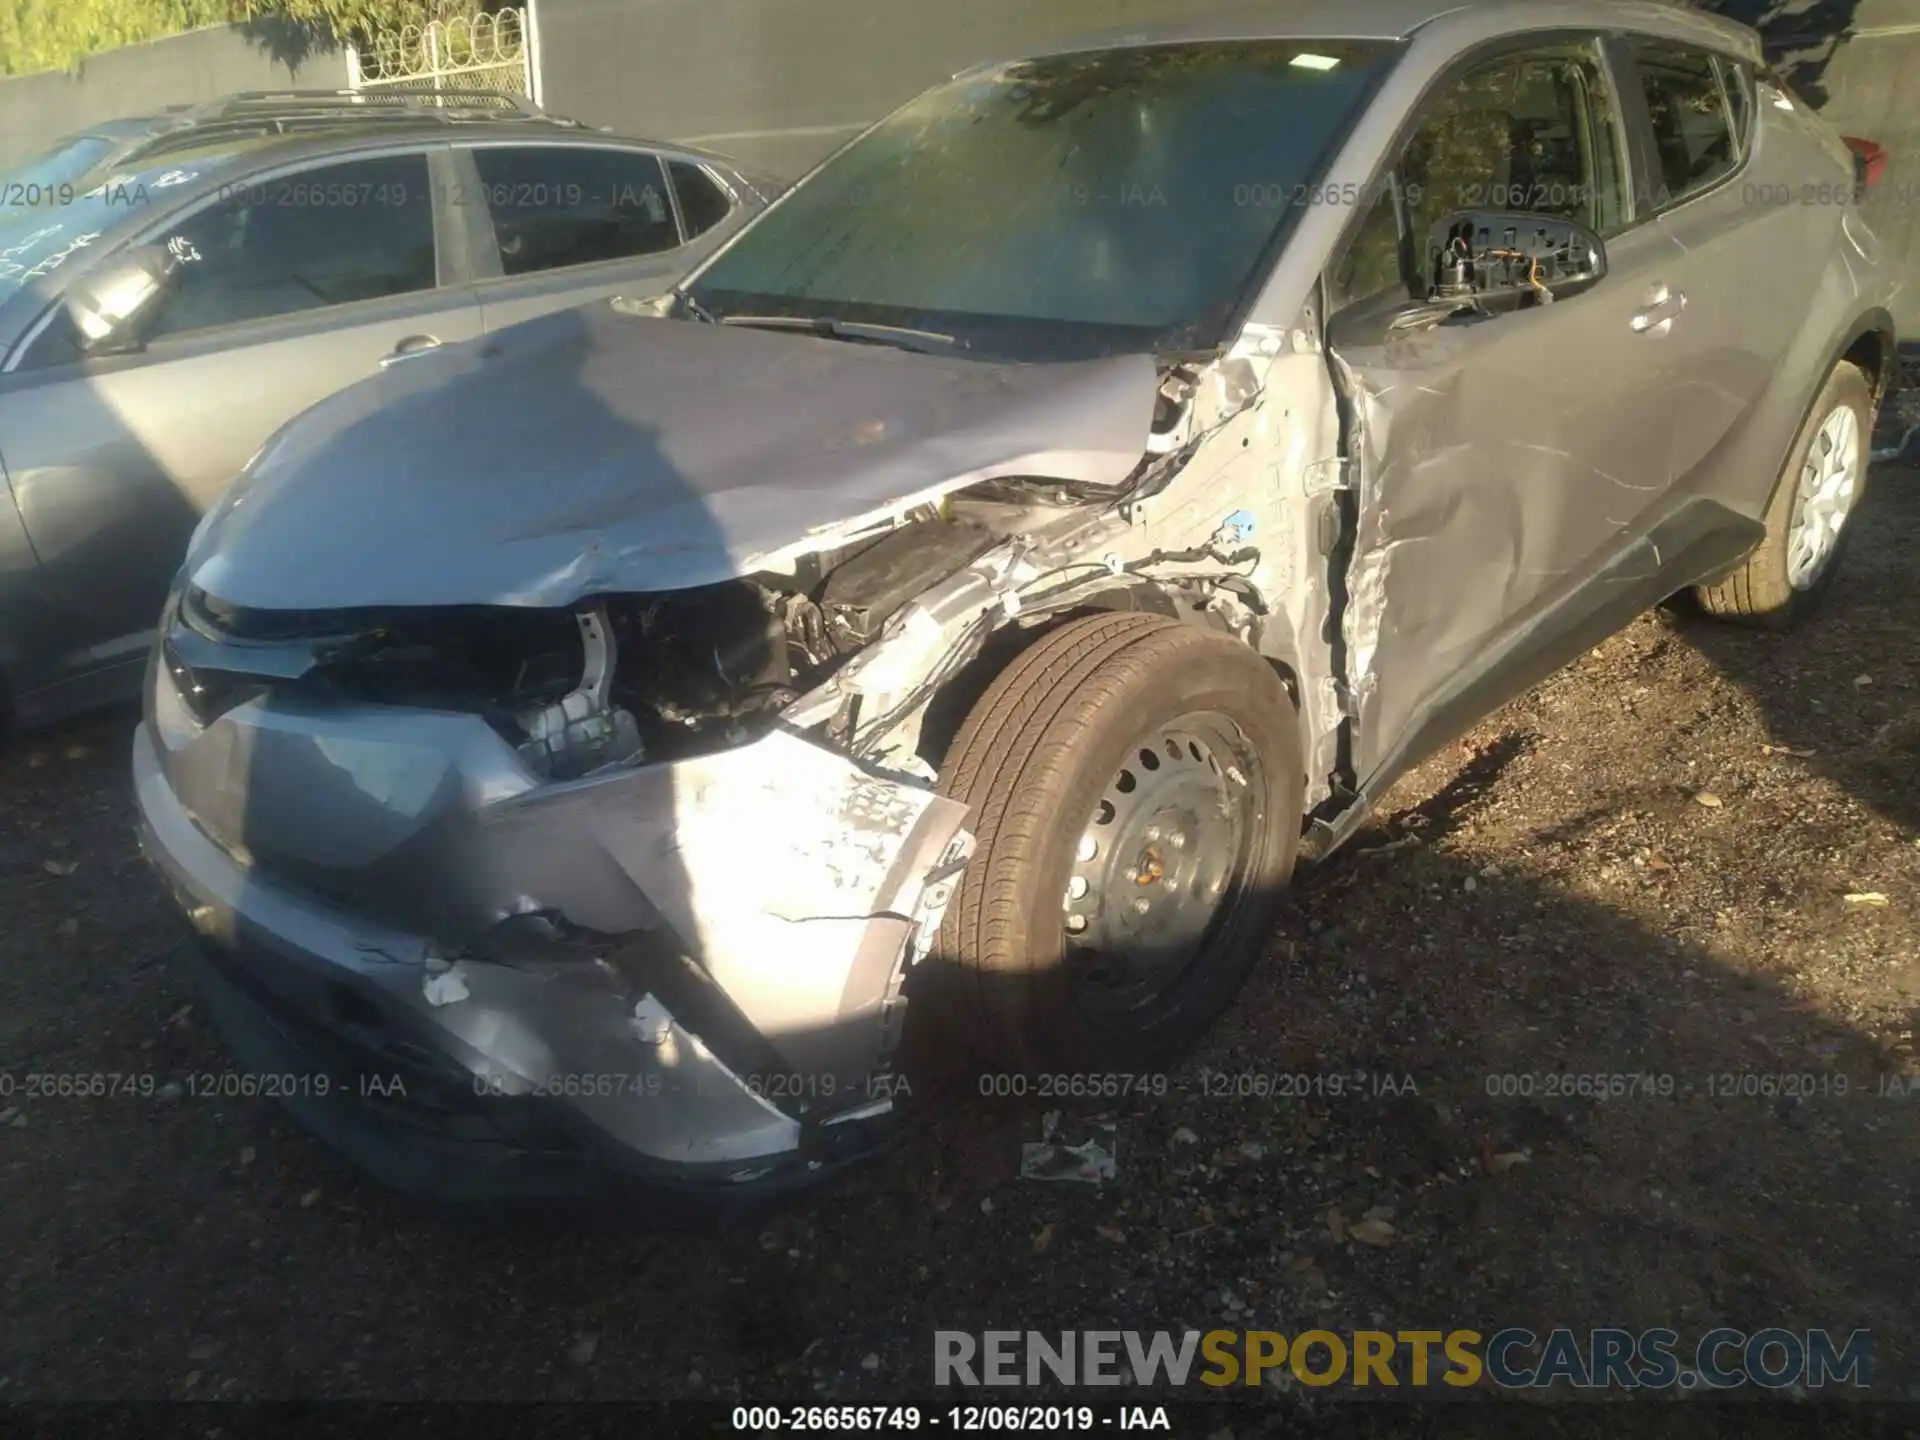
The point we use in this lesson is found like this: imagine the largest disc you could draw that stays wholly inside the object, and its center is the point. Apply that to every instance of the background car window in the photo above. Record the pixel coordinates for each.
(703, 204)
(1692, 131)
(361, 230)
(1528, 132)
(554, 206)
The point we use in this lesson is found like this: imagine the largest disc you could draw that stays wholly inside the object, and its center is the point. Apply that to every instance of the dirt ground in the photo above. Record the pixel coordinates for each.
(1653, 866)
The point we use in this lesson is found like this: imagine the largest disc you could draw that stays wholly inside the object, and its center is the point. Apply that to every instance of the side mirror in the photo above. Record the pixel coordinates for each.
(1503, 259)
(111, 306)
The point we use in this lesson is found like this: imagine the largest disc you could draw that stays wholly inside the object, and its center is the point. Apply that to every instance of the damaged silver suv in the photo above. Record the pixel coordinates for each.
(983, 578)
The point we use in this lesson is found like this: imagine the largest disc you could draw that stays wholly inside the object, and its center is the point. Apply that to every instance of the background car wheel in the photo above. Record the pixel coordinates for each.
(1136, 790)
(1806, 521)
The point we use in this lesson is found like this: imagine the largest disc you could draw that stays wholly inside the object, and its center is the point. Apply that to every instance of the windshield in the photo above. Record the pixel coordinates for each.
(55, 169)
(63, 217)
(1087, 203)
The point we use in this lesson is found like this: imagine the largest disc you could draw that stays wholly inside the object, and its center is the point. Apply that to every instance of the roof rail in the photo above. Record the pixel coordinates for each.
(417, 103)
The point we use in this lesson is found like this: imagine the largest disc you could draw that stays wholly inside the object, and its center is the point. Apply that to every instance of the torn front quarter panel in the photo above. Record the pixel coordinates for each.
(798, 880)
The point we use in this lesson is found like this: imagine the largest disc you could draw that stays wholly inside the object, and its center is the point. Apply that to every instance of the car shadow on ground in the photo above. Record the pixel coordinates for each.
(1842, 697)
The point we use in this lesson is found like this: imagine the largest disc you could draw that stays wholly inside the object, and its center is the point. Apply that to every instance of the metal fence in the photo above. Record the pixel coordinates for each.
(487, 50)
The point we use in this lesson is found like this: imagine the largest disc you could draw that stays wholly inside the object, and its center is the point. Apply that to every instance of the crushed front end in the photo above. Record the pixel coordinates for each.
(622, 868)
(540, 903)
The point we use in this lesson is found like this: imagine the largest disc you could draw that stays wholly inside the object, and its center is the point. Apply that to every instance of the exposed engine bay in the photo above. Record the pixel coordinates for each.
(626, 678)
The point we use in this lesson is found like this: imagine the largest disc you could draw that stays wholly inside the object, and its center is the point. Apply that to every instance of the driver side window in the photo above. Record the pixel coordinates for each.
(1530, 131)
(333, 235)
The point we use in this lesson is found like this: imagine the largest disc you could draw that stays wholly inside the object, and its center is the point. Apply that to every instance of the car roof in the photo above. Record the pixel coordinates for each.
(264, 128)
(1400, 20)
(258, 149)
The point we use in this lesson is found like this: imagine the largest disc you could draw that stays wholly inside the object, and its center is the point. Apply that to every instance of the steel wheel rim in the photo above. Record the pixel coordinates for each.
(1823, 499)
(1160, 866)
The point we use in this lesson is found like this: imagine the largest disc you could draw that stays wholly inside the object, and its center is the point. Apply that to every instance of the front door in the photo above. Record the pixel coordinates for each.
(1506, 467)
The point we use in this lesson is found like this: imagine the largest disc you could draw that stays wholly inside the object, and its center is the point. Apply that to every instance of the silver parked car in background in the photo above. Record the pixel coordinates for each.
(173, 290)
(978, 582)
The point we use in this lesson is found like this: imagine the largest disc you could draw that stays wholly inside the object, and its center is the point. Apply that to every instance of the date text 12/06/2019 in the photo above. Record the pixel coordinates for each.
(963, 1419)
(197, 1085)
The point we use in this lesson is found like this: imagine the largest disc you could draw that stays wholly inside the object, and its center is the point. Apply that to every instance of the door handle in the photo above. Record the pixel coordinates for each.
(1663, 305)
(411, 347)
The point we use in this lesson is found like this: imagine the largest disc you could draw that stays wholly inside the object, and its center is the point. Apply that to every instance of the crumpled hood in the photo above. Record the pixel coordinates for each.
(594, 450)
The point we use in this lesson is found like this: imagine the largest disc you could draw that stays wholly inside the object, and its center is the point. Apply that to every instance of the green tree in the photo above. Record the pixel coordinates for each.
(58, 34)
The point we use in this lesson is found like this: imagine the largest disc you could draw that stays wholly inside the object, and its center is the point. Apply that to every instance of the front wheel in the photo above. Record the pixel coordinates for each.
(1825, 476)
(1136, 791)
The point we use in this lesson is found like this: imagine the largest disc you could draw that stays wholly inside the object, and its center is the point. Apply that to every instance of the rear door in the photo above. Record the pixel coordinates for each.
(556, 225)
(1507, 468)
(305, 281)
(1756, 229)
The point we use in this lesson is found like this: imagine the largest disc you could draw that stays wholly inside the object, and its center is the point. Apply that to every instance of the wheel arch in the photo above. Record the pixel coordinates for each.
(1868, 342)
(949, 705)
(1872, 344)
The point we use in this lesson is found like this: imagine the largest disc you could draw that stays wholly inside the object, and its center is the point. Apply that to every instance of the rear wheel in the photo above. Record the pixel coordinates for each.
(1806, 521)
(1136, 791)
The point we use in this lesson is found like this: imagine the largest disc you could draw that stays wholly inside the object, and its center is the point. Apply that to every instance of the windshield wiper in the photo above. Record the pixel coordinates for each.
(902, 335)
(697, 310)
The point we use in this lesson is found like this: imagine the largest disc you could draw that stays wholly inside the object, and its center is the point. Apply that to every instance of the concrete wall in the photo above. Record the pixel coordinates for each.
(36, 110)
(779, 83)
(1863, 76)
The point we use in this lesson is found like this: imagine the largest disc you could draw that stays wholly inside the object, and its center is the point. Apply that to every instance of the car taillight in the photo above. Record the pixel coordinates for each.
(1869, 163)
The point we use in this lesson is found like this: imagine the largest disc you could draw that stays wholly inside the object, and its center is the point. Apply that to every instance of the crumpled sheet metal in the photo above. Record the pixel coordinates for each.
(789, 872)
(515, 1025)
(1457, 542)
(1091, 1159)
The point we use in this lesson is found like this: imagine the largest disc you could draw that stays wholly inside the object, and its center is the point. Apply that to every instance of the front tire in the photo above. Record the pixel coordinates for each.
(1136, 792)
(1818, 492)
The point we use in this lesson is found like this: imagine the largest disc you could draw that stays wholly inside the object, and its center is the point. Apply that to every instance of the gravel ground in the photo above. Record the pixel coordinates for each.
(1651, 866)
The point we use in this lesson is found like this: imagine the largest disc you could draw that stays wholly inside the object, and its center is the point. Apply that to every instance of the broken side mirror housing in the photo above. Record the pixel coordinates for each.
(1515, 258)
(112, 305)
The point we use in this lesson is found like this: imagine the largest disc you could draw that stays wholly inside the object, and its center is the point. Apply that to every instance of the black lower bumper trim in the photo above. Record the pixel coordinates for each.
(412, 1126)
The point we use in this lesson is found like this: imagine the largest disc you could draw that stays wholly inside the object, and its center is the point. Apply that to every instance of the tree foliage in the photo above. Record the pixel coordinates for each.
(55, 34)
(349, 18)
(59, 34)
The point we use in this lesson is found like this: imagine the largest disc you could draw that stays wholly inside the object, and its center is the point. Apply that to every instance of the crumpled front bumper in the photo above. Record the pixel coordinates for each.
(484, 987)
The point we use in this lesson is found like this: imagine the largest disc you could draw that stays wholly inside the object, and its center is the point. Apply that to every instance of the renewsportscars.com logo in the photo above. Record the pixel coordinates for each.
(1513, 1359)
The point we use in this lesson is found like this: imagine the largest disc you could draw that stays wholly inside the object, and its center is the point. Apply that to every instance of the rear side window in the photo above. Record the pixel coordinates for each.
(1693, 129)
(333, 235)
(1738, 79)
(553, 206)
(703, 204)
